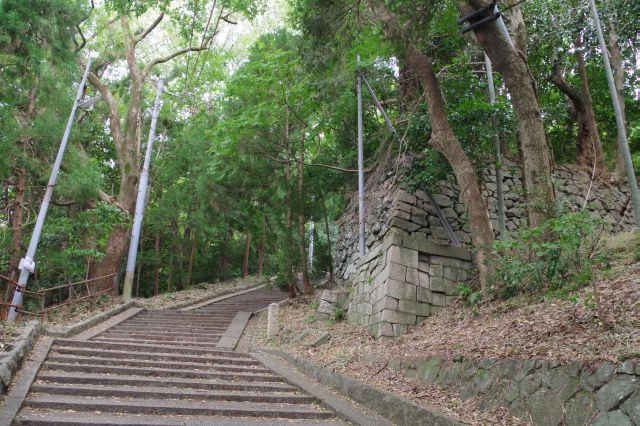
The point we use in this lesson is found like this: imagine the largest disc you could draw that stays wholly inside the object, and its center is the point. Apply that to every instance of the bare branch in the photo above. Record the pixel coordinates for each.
(102, 196)
(226, 18)
(167, 58)
(84, 40)
(138, 38)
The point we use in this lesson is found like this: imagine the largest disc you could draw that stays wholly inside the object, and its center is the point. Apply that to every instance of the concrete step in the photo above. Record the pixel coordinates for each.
(132, 340)
(79, 378)
(150, 356)
(124, 362)
(152, 347)
(209, 338)
(173, 330)
(166, 393)
(35, 417)
(170, 407)
(161, 372)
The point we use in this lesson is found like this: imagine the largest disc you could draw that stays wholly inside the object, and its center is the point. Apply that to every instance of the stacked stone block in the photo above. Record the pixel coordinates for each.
(404, 280)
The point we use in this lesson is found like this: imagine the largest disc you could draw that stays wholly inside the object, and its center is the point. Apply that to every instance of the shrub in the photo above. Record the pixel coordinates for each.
(557, 255)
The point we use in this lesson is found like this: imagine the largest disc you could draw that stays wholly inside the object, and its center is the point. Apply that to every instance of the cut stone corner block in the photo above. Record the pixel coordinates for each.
(405, 279)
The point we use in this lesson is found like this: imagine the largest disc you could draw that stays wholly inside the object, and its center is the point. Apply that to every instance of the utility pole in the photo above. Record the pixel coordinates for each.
(361, 242)
(623, 145)
(140, 201)
(27, 263)
(496, 145)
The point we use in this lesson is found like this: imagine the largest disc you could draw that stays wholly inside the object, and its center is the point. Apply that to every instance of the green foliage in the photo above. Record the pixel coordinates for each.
(338, 314)
(555, 256)
(469, 295)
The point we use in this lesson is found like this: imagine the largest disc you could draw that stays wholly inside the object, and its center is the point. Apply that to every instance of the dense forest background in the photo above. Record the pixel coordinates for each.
(257, 132)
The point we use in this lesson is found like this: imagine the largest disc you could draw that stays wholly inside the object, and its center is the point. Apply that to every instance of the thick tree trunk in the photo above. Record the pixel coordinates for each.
(537, 162)
(518, 30)
(589, 149)
(156, 270)
(444, 140)
(588, 145)
(110, 265)
(306, 282)
(247, 251)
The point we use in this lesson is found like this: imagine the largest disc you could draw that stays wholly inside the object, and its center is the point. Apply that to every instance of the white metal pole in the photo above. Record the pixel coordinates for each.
(496, 145)
(27, 264)
(140, 201)
(361, 242)
(623, 145)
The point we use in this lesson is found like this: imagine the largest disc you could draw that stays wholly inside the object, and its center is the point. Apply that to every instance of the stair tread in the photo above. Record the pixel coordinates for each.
(157, 406)
(43, 417)
(89, 378)
(290, 396)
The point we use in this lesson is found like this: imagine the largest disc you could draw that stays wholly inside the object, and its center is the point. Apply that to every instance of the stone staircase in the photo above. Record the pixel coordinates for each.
(163, 368)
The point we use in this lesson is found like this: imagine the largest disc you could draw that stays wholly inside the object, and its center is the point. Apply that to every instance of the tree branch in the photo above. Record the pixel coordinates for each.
(84, 40)
(167, 58)
(114, 116)
(102, 196)
(138, 38)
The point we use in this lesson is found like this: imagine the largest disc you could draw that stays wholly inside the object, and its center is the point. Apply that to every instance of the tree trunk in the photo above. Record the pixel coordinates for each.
(247, 251)
(156, 270)
(191, 257)
(444, 140)
(537, 162)
(518, 29)
(588, 146)
(328, 234)
(306, 282)
(262, 245)
(287, 174)
(16, 219)
(110, 265)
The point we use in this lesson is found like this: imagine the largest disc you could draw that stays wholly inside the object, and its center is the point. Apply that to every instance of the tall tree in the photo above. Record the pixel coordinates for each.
(536, 159)
(443, 138)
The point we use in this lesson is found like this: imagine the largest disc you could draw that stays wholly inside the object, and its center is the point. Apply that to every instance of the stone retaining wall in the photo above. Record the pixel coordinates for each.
(545, 392)
(411, 270)
(389, 206)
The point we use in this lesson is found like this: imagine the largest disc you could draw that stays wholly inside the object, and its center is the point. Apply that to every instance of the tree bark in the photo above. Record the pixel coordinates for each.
(262, 245)
(306, 282)
(518, 30)
(156, 270)
(588, 145)
(291, 289)
(444, 140)
(328, 234)
(537, 162)
(191, 258)
(247, 252)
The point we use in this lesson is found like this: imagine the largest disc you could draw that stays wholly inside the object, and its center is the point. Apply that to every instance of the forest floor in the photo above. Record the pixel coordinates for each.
(564, 328)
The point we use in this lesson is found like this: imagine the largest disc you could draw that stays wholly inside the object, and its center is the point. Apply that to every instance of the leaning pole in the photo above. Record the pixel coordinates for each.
(27, 263)
(140, 201)
(361, 216)
(623, 145)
